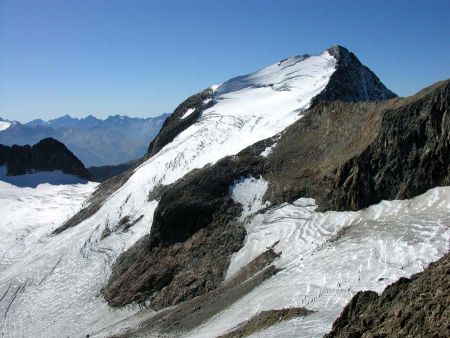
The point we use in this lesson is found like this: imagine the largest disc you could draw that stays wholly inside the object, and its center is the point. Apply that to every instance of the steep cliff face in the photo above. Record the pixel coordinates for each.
(410, 307)
(352, 81)
(46, 155)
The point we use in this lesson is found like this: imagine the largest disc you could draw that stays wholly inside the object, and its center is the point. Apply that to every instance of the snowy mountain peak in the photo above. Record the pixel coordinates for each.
(352, 81)
(283, 75)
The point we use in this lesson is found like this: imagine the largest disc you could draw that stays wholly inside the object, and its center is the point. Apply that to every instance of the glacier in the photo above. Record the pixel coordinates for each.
(326, 258)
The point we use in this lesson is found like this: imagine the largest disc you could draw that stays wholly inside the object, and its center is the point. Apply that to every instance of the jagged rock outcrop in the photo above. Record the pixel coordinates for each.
(411, 307)
(386, 150)
(352, 81)
(46, 155)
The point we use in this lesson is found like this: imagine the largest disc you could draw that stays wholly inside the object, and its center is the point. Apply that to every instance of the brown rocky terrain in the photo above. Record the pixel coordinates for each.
(411, 307)
(351, 155)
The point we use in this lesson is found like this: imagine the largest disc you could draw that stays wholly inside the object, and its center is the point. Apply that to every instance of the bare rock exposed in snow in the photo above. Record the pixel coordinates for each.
(309, 160)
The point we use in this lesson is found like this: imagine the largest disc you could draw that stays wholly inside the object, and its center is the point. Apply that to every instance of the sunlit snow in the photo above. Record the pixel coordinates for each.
(187, 113)
(4, 125)
(327, 257)
(249, 192)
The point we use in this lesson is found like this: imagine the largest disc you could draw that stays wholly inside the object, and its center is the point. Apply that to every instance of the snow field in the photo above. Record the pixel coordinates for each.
(327, 257)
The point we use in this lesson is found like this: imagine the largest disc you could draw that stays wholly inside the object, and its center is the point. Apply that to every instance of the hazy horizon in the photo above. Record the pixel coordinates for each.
(142, 58)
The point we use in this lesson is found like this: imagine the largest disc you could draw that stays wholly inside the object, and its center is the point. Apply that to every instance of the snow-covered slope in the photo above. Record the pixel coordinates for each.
(4, 125)
(327, 257)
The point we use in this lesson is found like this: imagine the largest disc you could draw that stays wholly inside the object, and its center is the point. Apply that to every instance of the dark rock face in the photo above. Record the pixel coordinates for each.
(176, 321)
(175, 124)
(411, 307)
(352, 81)
(46, 155)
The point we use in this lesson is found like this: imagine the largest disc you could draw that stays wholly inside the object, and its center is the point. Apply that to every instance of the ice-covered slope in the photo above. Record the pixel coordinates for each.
(327, 257)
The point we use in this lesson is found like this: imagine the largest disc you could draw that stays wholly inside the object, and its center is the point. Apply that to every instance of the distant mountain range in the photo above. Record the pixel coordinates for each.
(96, 142)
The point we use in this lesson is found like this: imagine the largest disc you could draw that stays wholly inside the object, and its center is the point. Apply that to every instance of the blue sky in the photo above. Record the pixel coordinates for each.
(142, 58)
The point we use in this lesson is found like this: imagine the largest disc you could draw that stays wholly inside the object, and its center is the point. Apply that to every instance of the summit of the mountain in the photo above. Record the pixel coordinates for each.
(293, 84)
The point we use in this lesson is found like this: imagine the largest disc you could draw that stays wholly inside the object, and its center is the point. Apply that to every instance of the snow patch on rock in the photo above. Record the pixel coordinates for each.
(187, 113)
(249, 192)
(327, 257)
(266, 152)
